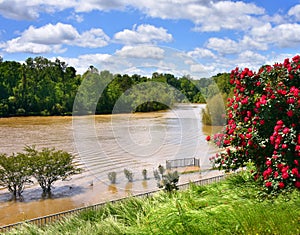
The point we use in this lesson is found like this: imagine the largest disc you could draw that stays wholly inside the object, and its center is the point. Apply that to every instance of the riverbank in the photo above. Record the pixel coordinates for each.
(232, 206)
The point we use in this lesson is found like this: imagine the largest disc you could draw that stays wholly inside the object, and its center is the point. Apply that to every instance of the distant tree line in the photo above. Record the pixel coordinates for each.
(43, 87)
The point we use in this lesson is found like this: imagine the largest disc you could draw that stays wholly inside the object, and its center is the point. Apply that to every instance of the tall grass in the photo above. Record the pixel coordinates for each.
(229, 207)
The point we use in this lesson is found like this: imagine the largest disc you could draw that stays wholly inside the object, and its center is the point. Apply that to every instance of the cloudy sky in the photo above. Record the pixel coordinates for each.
(197, 37)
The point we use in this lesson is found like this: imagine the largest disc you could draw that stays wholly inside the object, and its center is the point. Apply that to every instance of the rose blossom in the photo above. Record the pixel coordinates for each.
(281, 185)
(268, 184)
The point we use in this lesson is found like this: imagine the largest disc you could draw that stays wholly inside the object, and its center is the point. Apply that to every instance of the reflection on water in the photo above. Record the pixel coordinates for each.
(102, 144)
(145, 184)
(112, 188)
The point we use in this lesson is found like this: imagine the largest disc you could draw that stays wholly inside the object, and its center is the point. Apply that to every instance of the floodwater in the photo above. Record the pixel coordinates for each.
(101, 144)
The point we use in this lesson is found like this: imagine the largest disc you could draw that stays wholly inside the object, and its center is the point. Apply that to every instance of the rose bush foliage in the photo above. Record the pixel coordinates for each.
(263, 125)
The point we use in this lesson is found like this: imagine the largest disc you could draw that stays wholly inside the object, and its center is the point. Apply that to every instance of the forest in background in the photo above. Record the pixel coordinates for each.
(40, 86)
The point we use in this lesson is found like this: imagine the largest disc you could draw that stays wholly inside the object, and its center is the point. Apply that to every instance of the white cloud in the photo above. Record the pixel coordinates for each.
(19, 10)
(202, 69)
(93, 38)
(295, 11)
(230, 15)
(16, 45)
(50, 34)
(251, 59)
(250, 43)
(83, 62)
(207, 15)
(283, 35)
(101, 5)
(223, 46)
(287, 35)
(141, 52)
(51, 38)
(144, 33)
(201, 53)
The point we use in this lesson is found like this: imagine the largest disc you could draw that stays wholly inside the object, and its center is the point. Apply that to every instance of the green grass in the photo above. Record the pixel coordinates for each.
(229, 207)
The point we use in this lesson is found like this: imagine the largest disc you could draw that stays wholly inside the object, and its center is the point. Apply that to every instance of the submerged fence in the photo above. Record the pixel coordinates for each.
(40, 221)
(182, 163)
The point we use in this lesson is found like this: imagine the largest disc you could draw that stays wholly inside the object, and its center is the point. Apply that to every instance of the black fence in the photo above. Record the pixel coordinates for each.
(40, 221)
(182, 163)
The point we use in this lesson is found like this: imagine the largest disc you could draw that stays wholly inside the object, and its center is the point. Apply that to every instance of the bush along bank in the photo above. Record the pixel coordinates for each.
(263, 125)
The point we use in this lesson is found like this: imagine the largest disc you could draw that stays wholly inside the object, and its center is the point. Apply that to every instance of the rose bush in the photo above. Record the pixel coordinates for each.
(263, 125)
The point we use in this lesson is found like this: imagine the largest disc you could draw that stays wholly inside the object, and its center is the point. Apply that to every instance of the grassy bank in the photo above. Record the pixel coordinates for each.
(233, 206)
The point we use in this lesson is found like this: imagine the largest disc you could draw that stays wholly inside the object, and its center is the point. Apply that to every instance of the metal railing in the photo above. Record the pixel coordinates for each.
(40, 221)
(182, 162)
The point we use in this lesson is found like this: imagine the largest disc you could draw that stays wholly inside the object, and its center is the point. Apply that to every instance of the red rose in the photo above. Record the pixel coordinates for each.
(279, 122)
(295, 171)
(281, 185)
(208, 138)
(297, 184)
(284, 146)
(268, 184)
(290, 101)
(268, 163)
(285, 175)
(286, 130)
(290, 113)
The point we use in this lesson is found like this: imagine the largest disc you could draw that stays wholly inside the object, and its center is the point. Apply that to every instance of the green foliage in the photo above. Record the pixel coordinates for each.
(216, 93)
(14, 172)
(112, 176)
(46, 166)
(214, 112)
(169, 181)
(39, 86)
(43, 87)
(50, 165)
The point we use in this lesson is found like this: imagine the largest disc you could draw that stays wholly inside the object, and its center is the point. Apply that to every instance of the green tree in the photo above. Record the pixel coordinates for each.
(214, 112)
(50, 165)
(14, 172)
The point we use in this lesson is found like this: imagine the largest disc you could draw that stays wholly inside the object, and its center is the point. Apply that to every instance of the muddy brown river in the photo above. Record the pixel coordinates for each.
(101, 144)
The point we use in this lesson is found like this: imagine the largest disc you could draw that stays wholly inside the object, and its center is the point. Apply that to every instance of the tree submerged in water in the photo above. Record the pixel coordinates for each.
(50, 165)
(14, 173)
(46, 166)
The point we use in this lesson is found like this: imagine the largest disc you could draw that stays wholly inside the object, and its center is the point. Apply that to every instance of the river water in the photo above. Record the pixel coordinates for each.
(101, 144)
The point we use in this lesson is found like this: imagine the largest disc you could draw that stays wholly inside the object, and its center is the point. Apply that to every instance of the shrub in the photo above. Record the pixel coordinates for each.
(112, 176)
(169, 181)
(128, 175)
(156, 175)
(263, 124)
(144, 173)
(166, 180)
(214, 112)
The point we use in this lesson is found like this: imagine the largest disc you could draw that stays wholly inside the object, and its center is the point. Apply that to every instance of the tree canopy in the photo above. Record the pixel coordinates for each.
(40, 86)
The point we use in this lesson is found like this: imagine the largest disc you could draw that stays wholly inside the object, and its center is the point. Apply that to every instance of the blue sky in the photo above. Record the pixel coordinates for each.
(196, 37)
